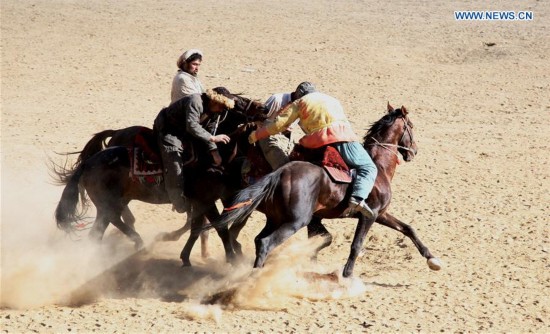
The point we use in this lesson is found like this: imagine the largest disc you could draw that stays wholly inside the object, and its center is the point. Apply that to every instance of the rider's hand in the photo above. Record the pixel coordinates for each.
(216, 157)
(252, 138)
(220, 139)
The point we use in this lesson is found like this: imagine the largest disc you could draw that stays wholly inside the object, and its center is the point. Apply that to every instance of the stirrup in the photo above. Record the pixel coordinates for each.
(361, 207)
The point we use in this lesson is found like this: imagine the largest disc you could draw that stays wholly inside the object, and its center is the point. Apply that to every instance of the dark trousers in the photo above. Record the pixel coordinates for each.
(171, 153)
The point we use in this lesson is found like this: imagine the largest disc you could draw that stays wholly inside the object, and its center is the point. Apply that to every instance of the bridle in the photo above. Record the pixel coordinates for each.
(406, 130)
(244, 114)
(246, 109)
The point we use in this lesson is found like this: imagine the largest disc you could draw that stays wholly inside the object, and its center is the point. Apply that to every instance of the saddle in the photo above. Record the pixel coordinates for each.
(145, 160)
(256, 166)
(327, 157)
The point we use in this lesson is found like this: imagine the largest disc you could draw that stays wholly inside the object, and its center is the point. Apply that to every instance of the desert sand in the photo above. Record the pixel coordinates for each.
(477, 193)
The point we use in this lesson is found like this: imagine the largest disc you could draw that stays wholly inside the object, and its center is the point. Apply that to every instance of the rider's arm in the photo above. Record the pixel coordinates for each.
(193, 126)
(286, 117)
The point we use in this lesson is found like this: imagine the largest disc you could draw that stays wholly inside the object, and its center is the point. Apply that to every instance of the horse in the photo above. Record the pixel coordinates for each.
(301, 193)
(104, 174)
(250, 110)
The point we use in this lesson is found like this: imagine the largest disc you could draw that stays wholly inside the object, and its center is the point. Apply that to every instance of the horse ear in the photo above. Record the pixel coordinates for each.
(404, 110)
(390, 108)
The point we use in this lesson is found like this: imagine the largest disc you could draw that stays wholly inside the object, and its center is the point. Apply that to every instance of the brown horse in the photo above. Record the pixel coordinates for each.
(301, 193)
(248, 109)
(104, 174)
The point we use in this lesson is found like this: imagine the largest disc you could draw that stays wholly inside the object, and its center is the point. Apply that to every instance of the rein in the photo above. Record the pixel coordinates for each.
(387, 145)
(246, 109)
(248, 106)
(218, 121)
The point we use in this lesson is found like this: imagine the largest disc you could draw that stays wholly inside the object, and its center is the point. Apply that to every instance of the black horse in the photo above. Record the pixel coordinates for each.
(301, 193)
(105, 176)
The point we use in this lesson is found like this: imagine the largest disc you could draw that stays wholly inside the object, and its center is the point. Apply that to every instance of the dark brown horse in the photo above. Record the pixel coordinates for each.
(301, 193)
(104, 175)
(249, 110)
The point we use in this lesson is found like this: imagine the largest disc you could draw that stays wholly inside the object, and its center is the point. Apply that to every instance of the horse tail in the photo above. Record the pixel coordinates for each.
(66, 211)
(247, 200)
(94, 145)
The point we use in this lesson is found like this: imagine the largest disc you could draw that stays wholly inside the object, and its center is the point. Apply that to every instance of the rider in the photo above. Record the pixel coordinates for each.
(277, 147)
(322, 119)
(185, 81)
(180, 122)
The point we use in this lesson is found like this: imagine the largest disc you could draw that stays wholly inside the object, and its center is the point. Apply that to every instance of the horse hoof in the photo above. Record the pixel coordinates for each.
(139, 245)
(347, 272)
(434, 263)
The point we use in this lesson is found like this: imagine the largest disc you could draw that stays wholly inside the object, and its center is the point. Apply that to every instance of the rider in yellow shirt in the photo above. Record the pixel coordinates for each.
(323, 121)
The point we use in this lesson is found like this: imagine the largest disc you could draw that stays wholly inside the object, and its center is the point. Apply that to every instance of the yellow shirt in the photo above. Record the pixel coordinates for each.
(321, 117)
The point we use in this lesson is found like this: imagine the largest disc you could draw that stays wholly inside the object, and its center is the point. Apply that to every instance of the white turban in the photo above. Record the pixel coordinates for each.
(190, 52)
(184, 56)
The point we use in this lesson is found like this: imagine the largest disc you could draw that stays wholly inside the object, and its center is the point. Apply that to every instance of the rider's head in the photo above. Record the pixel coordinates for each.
(218, 101)
(303, 89)
(190, 61)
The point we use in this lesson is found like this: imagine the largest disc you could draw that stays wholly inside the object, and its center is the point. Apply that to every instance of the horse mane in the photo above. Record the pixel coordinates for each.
(382, 123)
(241, 96)
(224, 91)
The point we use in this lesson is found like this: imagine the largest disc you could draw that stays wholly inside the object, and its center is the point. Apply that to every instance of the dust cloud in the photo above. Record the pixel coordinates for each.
(43, 266)
(288, 274)
(40, 264)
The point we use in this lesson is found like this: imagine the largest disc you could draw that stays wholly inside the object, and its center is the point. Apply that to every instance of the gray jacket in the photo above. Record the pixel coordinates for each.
(183, 120)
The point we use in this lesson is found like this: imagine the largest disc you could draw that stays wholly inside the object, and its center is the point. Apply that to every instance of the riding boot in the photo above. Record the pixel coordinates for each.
(359, 205)
(174, 181)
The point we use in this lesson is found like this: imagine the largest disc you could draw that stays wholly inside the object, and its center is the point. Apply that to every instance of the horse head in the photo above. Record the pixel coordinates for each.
(406, 144)
(393, 132)
(250, 110)
(254, 110)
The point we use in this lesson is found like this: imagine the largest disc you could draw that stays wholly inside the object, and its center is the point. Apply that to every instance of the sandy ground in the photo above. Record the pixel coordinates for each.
(477, 193)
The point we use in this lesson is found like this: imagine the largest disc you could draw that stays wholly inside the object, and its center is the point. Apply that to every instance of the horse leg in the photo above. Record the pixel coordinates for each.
(266, 231)
(128, 231)
(363, 226)
(175, 235)
(128, 217)
(316, 228)
(390, 221)
(204, 239)
(223, 233)
(195, 224)
(234, 231)
(269, 238)
(100, 225)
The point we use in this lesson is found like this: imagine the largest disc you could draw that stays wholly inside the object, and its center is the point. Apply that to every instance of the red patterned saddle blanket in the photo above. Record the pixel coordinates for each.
(145, 161)
(327, 157)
